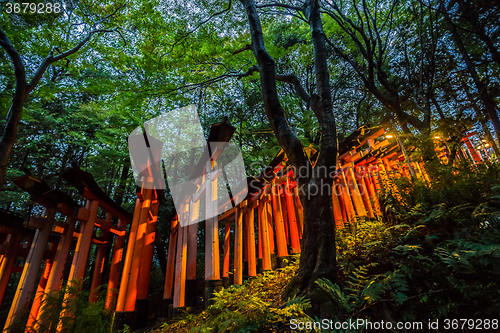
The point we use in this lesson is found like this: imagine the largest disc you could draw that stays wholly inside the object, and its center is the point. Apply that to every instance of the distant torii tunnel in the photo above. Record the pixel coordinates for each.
(266, 228)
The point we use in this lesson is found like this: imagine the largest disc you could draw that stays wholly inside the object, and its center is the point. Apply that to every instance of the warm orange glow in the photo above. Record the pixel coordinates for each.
(389, 136)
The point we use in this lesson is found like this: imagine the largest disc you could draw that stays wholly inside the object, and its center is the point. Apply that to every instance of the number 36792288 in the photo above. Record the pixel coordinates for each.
(33, 8)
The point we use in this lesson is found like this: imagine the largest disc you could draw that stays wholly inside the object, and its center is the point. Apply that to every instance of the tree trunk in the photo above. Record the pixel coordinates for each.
(318, 251)
(488, 101)
(16, 109)
(120, 191)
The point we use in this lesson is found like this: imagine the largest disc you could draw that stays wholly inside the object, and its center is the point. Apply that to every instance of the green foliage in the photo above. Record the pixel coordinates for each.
(82, 315)
(255, 306)
(440, 260)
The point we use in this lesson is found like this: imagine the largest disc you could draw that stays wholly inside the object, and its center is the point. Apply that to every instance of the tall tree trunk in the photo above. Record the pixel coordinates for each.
(16, 109)
(23, 89)
(488, 101)
(318, 251)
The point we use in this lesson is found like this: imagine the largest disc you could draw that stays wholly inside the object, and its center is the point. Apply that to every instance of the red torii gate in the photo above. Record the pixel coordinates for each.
(267, 228)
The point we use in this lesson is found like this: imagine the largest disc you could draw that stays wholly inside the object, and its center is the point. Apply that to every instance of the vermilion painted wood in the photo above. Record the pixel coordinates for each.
(475, 155)
(270, 225)
(259, 228)
(31, 268)
(355, 193)
(180, 266)
(346, 198)
(238, 248)
(363, 187)
(100, 258)
(114, 271)
(80, 257)
(264, 226)
(127, 265)
(278, 222)
(341, 202)
(147, 254)
(40, 291)
(372, 194)
(227, 248)
(250, 239)
(292, 220)
(169, 274)
(194, 215)
(284, 211)
(140, 240)
(8, 263)
(54, 280)
(299, 211)
(212, 265)
(337, 212)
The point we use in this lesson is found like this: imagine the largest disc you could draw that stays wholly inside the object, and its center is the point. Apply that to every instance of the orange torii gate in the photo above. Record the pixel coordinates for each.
(52, 240)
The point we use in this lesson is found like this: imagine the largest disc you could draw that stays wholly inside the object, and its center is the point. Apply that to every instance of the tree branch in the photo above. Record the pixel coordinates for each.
(244, 48)
(19, 70)
(281, 5)
(274, 110)
(51, 58)
(250, 72)
(299, 89)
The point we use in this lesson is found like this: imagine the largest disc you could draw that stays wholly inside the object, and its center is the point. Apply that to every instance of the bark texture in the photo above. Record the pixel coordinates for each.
(318, 254)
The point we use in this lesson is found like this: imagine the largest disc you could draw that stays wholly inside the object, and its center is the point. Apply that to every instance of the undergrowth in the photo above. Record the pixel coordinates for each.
(256, 306)
(82, 315)
(437, 257)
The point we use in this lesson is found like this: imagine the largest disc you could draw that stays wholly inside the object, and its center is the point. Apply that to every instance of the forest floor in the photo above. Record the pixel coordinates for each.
(255, 306)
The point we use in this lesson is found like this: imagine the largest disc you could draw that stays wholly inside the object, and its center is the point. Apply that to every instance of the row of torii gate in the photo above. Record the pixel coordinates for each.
(267, 228)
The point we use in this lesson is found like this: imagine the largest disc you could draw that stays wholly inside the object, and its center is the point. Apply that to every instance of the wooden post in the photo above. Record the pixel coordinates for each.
(363, 187)
(8, 263)
(169, 274)
(373, 172)
(133, 284)
(264, 226)
(372, 193)
(280, 227)
(80, 257)
(284, 211)
(227, 248)
(114, 271)
(346, 197)
(40, 291)
(56, 273)
(127, 264)
(142, 302)
(292, 221)
(100, 258)
(181, 260)
(337, 211)
(475, 155)
(192, 250)
(147, 255)
(342, 204)
(212, 268)
(238, 246)
(299, 211)
(355, 193)
(250, 236)
(31, 268)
